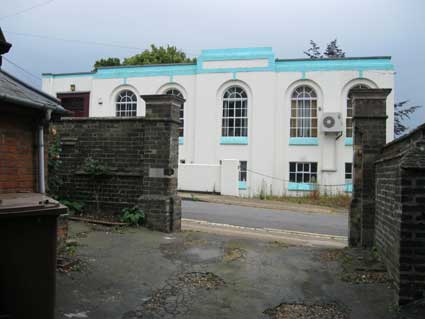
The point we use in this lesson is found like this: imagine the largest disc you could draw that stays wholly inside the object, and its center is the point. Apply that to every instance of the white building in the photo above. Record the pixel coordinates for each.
(245, 104)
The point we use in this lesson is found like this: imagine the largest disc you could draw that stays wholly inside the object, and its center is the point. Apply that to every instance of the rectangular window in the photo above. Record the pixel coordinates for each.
(243, 165)
(348, 173)
(303, 172)
(303, 118)
(77, 103)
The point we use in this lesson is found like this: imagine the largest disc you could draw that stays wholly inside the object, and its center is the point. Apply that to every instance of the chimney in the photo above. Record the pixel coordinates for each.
(4, 46)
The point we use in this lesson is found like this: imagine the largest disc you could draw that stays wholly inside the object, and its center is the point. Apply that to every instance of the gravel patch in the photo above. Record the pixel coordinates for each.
(177, 296)
(303, 311)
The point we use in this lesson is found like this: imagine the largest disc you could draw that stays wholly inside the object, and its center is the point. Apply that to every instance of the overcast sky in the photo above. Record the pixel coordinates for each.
(362, 27)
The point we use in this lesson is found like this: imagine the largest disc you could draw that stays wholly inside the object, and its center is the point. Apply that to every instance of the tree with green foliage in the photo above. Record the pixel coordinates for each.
(153, 55)
(107, 62)
(402, 113)
(159, 55)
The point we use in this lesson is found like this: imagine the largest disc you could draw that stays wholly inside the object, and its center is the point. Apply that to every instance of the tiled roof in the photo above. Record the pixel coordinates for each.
(20, 93)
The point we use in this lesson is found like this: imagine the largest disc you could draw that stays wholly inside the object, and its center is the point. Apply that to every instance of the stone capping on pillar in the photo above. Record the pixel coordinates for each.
(364, 111)
(158, 106)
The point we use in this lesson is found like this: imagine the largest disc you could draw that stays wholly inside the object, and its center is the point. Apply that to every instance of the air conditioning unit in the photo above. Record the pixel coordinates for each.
(331, 123)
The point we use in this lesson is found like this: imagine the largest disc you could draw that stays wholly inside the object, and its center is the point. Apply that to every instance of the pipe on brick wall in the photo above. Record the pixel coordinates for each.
(41, 179)
(41, 173)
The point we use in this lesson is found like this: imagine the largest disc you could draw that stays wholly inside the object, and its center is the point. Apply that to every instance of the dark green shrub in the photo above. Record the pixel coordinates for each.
(133, 216)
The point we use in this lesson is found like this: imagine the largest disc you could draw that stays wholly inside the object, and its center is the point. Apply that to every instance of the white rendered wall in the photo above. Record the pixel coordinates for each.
(199, 177)
(229, 177)
(235, 64)
(56, 85)
(222, 178)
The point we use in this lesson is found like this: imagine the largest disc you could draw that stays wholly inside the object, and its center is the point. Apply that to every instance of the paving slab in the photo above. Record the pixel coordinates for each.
(137, 273)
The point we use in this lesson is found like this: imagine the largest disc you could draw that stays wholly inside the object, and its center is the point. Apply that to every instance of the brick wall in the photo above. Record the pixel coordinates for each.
(141, 157)
(400, 213)
(18, 153)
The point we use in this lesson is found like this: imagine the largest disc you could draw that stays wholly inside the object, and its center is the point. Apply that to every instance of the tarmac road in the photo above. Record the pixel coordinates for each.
(319, 223)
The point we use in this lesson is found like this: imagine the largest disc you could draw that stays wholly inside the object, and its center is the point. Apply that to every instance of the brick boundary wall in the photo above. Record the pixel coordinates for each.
(400, 213)
(140, 155)
(388, 206)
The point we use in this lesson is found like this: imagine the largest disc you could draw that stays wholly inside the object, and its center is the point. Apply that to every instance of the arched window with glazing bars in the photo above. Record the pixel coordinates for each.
(126, 104)
(304, 112)
(235, 112)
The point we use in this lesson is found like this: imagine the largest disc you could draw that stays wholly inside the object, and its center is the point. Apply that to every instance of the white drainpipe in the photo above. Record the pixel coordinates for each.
(41, 175)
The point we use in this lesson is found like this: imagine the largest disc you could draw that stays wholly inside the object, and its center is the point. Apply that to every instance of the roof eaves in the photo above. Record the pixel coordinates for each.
(32, 104)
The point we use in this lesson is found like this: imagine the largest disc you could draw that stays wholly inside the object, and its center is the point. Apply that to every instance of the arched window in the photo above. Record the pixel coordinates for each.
(235, 112)
(304, 112)
(126, 104)
(177, 93)
(349, 116)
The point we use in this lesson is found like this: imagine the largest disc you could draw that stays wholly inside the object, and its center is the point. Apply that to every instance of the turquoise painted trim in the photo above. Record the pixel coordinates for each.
(242, 185)
(360, 74)
(181, 140)
(334, 65)
(171, 79)
(300, 187)
(303, 141)
(243, 140)
(236, 54)
(234, 76)
(145, 71)
(348, 188)
(303, 75)
(348, 141)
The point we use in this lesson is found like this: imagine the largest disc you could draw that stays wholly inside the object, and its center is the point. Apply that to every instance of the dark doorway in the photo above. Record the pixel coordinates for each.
(78, 103)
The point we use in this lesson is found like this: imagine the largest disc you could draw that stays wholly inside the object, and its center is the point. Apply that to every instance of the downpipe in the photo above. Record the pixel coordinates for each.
(41, 159)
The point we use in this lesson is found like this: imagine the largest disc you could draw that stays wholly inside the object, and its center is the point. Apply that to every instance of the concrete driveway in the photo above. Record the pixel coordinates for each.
(320, 223)
(137, 273)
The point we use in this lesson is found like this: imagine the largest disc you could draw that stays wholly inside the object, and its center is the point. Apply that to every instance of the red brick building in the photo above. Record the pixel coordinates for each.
(24, 113)
(28, 218)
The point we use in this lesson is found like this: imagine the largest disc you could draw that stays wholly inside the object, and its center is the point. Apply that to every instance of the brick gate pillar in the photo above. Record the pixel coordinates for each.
(369, 124)
(159, 199)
